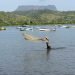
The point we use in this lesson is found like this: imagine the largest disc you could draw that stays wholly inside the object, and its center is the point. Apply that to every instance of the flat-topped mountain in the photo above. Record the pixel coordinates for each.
(36, 7)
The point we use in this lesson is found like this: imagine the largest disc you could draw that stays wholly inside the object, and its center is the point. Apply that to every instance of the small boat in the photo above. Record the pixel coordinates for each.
(2, 28)
(64, 26)
(18, 27)
(44, 29)
(73, 26)
(29, 29)
(25, 25)
(22, 29)
(53, 29)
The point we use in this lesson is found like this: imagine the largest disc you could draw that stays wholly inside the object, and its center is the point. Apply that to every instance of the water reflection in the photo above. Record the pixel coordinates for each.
(58, 48)
(48, 53)
(49, 50)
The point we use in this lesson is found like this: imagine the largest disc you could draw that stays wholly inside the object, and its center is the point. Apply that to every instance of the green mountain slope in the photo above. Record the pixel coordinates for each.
(37, 17)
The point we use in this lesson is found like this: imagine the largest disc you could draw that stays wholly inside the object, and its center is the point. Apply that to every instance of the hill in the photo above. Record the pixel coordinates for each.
(36, 7)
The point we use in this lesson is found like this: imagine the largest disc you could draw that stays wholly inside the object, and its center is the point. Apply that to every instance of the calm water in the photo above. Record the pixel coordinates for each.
(21, 57)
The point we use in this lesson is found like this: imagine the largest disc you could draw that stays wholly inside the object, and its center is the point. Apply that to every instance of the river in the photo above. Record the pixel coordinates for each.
(21, 57)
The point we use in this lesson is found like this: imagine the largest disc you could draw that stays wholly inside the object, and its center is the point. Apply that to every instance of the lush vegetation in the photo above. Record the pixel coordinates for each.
(37, 17)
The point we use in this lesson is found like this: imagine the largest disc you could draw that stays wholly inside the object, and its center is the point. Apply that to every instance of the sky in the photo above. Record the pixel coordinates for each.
(61, 5)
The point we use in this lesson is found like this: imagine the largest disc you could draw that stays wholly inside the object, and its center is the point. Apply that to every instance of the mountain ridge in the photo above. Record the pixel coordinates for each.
(36, 7)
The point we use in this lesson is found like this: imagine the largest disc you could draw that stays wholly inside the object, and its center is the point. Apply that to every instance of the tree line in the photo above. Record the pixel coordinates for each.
(38, 17)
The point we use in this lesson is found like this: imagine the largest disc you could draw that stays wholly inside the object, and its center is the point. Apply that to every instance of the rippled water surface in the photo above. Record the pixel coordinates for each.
(22, 57)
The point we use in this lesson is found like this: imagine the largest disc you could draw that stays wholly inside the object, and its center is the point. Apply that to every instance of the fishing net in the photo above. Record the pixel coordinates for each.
(33, 38)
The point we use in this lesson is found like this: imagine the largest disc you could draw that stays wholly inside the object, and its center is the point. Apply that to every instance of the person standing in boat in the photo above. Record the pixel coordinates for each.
(47, 43)
(46, 40)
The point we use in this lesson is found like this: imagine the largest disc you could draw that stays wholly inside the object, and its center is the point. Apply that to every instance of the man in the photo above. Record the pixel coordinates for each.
(47, 43)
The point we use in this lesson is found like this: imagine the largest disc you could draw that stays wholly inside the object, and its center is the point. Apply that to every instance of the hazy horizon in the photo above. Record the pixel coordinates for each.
(63, 5)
